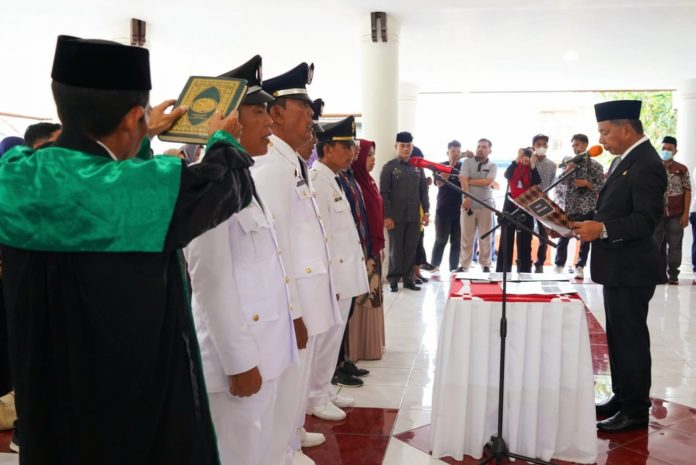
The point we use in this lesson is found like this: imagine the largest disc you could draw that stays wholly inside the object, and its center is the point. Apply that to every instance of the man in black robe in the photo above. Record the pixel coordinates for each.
(104, 353)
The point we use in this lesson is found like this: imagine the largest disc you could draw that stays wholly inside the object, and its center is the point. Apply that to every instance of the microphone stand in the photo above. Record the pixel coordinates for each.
(499, 448)
(517, 210)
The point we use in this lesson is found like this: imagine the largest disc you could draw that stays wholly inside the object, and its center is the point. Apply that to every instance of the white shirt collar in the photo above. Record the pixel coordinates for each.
(111, 154)
(640, 141)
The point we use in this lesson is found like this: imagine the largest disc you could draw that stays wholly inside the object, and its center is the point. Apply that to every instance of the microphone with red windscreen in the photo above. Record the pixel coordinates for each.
(423, 163)
(594, 151)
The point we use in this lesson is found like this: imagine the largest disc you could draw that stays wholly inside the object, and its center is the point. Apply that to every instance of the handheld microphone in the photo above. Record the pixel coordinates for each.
(594, 151)
(423, 163)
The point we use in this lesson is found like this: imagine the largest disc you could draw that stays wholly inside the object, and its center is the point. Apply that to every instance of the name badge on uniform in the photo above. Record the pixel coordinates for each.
(302, 182)
(338, 198)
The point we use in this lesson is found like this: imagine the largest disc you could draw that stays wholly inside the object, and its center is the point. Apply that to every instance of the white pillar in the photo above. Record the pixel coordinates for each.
(408, 108)
(380, 89)
(686, 140)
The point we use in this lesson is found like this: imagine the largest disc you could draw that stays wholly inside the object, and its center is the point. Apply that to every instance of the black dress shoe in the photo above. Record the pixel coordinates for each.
(538, 268)
(341, 378)
(623, 421)
(351, 369)
(412, 286)
(418, 281)
(608, 408)
(422, 280)
(393, 287)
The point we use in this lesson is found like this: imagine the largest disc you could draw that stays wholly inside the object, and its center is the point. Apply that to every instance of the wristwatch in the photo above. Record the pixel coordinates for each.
(604, 234)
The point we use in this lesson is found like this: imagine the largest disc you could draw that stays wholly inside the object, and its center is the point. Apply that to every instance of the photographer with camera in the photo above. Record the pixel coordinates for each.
(521, 175)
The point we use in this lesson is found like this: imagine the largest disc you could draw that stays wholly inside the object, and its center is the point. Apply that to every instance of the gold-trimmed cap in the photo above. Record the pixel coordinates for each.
(292, 84)
(343, 130)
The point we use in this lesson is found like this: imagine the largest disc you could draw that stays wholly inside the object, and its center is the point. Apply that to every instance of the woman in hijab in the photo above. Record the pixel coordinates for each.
(191, 152)
(366, 328)
(8, 142)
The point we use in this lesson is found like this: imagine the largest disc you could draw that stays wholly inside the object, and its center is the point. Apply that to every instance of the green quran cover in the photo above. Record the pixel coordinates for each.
(203, 96)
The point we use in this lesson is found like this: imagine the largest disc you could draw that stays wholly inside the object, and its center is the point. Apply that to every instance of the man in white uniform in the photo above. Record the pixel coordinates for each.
(335, 152)
(241, 306)
(283, 178)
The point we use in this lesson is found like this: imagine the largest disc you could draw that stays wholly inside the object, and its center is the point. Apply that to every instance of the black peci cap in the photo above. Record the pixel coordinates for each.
(670, 140)
(343, 130)
(617, 109)
(251, 71)
(101, 64)
(292, 84)
(404, 137)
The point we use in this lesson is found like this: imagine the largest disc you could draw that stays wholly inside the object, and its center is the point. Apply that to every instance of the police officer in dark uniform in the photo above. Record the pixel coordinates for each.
(404, 192)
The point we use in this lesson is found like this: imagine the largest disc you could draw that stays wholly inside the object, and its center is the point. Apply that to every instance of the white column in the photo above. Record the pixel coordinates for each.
(380, 89)
(686, 139)
(408, 108)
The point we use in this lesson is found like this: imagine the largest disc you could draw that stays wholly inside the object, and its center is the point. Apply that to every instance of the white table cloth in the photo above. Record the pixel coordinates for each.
(549, 396)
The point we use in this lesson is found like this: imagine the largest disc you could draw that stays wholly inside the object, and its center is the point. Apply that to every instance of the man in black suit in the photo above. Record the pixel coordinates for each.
(625, 259)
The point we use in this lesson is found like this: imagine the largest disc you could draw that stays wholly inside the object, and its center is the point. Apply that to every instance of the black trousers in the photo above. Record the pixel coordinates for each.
(447, 228)
(421, 258)
(344, 341)
(626, 310)
(403, 241)
(543, 246)
(524, 247)
(562, 249)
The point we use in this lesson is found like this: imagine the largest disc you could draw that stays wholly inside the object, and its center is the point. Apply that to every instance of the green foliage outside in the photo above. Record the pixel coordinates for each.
(657, 114)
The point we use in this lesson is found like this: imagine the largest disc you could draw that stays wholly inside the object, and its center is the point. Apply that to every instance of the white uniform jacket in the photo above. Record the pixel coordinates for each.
(301, 235)
(241, 302)
(347, 258)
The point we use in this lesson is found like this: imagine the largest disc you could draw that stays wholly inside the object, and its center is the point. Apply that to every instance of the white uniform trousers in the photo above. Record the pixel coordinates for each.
(328, 345)
(290, 407)
(245, 425)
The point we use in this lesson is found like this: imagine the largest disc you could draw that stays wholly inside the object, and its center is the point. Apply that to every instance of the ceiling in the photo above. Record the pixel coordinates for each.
(445, 45)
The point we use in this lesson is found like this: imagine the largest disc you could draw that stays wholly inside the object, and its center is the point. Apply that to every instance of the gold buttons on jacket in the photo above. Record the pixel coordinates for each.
(255, 317)
(308, 270)
(287, 279)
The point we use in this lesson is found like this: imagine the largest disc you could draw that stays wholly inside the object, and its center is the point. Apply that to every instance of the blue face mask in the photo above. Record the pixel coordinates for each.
(666, 155)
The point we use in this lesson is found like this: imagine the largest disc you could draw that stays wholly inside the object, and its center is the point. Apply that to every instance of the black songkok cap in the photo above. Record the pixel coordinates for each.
(292, 84)
(404, 137)
(338, 131)
(101, 64)
(318, 109)
(670, 140)
(617, 109)
(251, 71)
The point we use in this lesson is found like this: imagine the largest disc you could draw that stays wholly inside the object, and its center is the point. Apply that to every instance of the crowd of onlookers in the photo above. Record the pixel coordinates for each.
(470, 228)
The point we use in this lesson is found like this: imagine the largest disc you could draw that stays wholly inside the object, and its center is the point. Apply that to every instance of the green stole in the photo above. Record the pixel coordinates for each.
(56, 199)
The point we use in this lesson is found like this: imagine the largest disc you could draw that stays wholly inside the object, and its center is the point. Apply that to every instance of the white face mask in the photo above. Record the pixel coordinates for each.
(540, 150)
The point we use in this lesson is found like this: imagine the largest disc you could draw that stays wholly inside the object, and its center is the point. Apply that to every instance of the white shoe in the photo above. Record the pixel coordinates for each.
(579, 273)
(298, 458)
(343, 401)
(327, 412)
(558, 269)
(311, 439)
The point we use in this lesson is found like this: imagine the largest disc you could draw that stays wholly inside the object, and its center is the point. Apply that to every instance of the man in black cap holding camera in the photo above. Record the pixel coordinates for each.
(404, 191)
(625, 259)
(101, 335)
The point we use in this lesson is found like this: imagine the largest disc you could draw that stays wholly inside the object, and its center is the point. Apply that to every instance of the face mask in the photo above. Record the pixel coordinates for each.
(666, 155)
(540, 150)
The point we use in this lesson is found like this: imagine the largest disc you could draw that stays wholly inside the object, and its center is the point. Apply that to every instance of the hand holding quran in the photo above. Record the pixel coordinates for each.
(208, 103)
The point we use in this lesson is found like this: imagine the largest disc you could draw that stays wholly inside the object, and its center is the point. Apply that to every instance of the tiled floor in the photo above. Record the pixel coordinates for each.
(390, 424)
(403, 380)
